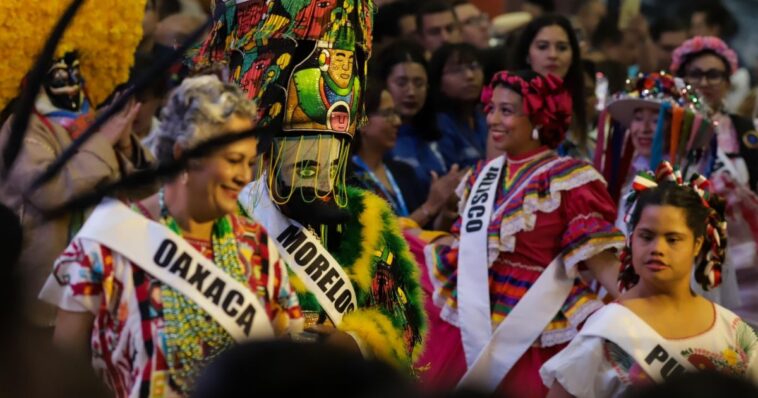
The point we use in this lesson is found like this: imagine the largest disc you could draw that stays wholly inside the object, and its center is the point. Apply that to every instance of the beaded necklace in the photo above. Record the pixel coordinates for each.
(193, 338)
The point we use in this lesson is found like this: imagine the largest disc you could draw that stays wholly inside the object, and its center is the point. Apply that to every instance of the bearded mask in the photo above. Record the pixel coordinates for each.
(63, 83)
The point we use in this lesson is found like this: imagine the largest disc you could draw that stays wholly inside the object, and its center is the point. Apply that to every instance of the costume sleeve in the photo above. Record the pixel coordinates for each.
(390, 320)
(583, 370)
(591, 213)
(94, 164)
(76, 283)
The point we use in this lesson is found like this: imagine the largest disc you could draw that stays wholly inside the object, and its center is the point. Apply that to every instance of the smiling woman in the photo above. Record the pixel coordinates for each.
(219, 277)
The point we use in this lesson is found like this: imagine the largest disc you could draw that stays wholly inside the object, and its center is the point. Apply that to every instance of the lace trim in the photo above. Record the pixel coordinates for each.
(525, 218)
(590, 249)
(560, 336)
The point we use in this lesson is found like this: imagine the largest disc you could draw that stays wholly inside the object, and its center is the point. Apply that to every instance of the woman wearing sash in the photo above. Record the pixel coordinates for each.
(526, 214)
(659, 327)
(147, 337)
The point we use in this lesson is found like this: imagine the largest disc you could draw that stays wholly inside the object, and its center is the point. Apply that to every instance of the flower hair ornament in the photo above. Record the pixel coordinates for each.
(708, 270)
(703, 43)
(545, 101)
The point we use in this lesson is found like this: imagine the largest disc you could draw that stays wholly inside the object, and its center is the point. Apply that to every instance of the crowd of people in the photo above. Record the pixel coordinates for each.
(377, 198)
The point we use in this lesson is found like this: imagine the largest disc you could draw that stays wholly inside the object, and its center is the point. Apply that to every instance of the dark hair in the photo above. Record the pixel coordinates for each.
(687, 60)
(550, 135)
(574, 80)
(697, 217)
(665, 24)
(460, 52)
(607, 32)
(431, 7)
(546, 5)
(398, 52)
(373, 100)
(387, 20)
(589, 68)
(716, 14)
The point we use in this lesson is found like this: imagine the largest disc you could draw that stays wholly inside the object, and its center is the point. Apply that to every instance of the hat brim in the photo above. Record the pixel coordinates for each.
(622, 109)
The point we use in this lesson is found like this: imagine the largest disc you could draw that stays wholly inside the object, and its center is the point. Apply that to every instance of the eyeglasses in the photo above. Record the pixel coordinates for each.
(437, 30)
(462, 68)
(386, 113)
(482, 19)
(712, 76)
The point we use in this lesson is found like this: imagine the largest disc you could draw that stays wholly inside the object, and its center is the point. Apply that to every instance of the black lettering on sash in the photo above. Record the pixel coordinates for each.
(474, 225)
(479, 198)
(671, 368)
(334, 289)
(199, 276)
(305, 254)
(166, 252)
(492, 173)
(476, 211)
(246, 319)
(658, 353)
(291, 238)
(319, 265)
(182, 265)
(342, 302)
(232, 295)
(327, 279)
(215, 290)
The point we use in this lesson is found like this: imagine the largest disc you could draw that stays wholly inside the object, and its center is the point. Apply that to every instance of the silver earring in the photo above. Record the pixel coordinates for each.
(535, 134)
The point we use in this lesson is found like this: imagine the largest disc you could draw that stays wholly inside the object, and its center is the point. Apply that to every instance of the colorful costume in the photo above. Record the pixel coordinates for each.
(140, 341)
(592, 366)
(304, 63)
(91, 60)
(165, 305)
(617, 349)
(548, 213)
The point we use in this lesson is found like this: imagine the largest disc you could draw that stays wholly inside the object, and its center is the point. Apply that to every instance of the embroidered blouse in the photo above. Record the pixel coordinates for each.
(595, 367)
(563, 209)
(129, 336)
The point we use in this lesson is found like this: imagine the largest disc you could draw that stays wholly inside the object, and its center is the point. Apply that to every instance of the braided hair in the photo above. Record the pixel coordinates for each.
(704, 215)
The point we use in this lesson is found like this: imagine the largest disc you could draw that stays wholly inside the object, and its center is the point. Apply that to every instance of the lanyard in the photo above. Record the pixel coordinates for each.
(397, 200)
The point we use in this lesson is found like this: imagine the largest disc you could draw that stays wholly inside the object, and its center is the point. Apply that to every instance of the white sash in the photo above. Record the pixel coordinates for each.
(303, 253)
(166, 256)
(473, 287)
(648, 348)
(490, 356)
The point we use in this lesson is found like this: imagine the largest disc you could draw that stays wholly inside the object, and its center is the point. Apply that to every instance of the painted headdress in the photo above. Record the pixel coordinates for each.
(304, 64)
(104, 34)
(689, 131)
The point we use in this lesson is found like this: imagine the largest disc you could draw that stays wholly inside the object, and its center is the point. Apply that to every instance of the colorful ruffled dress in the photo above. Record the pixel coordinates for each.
(562, 210)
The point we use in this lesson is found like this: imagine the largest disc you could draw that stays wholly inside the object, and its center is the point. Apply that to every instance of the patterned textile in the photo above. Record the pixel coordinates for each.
(563, 209)
(129, 336)
(595, 367)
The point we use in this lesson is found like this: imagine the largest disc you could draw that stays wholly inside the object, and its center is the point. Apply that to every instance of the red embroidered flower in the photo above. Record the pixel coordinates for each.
(701, 362)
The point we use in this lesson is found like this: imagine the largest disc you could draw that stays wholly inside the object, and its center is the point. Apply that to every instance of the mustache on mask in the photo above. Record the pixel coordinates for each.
(313, 208)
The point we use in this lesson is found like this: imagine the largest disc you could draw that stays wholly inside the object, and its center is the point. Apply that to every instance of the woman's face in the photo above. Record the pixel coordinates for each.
(215, 181)
(509, 129)
(462, 81)
(663, 246)
(550, 52)
(380, 133)
(707, 73)
(642, 129)
(407, 83)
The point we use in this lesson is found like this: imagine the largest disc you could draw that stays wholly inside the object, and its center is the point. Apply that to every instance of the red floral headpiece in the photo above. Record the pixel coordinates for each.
(703, 43)
(545, 101)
